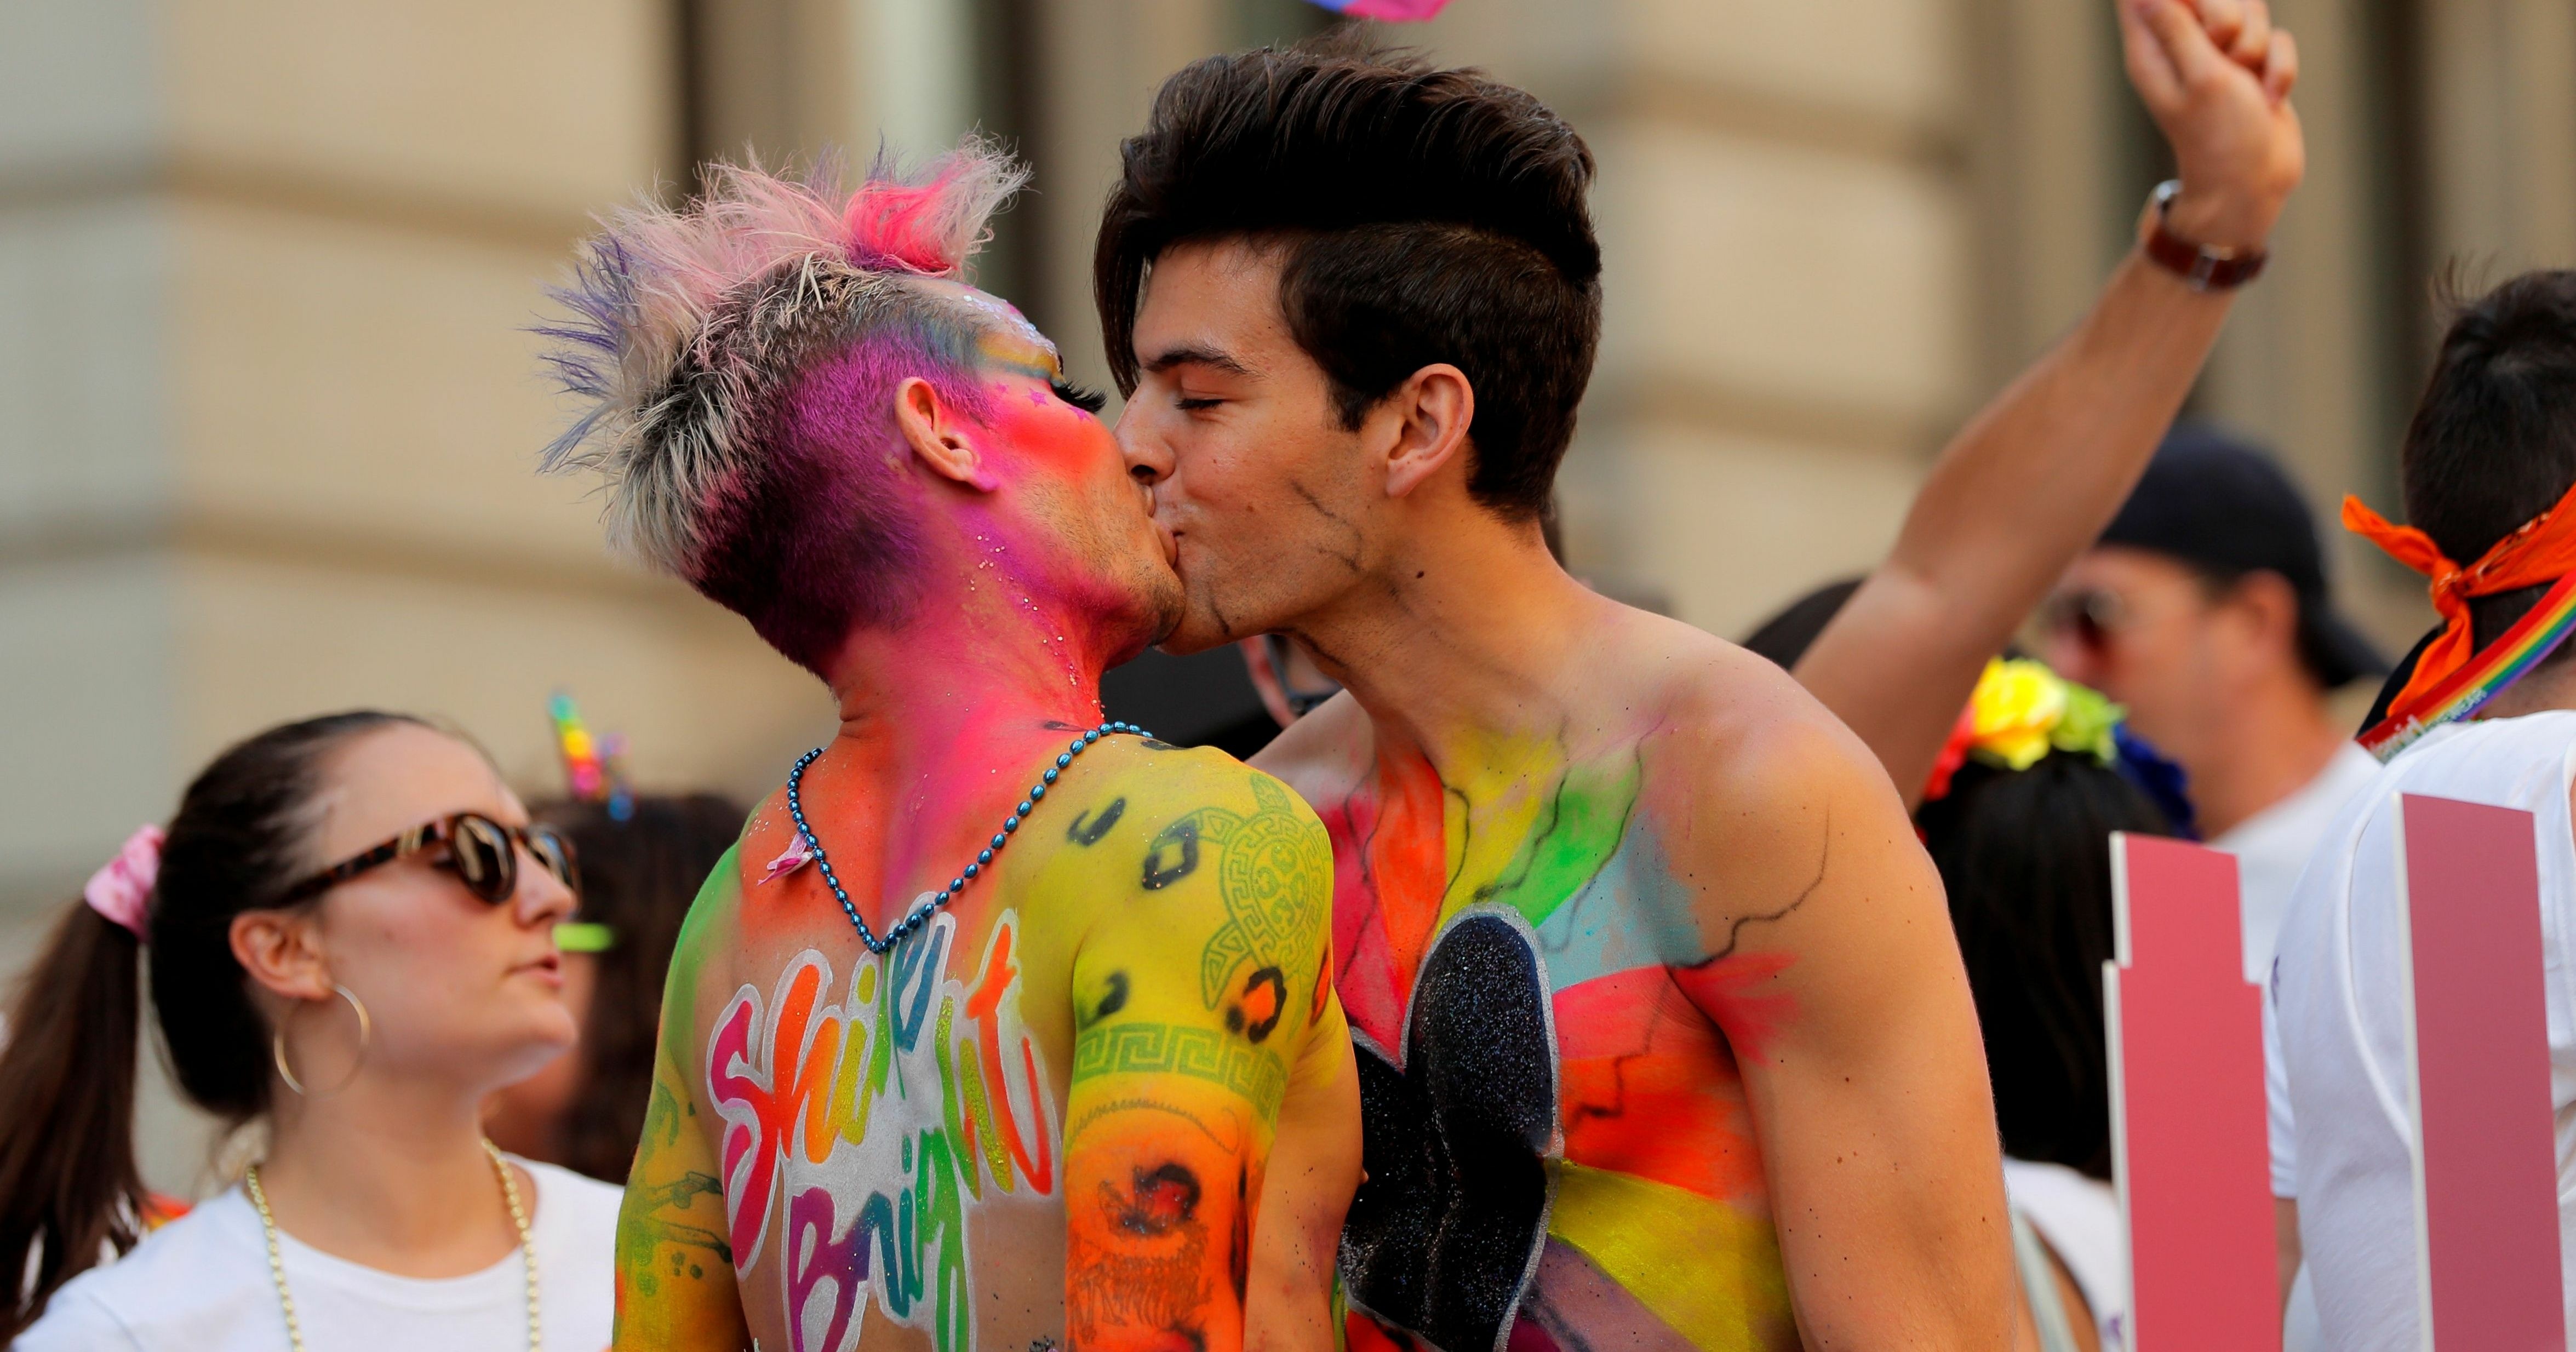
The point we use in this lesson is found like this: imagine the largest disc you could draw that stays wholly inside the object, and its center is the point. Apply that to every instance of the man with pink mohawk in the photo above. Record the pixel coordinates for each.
(1001, 1022)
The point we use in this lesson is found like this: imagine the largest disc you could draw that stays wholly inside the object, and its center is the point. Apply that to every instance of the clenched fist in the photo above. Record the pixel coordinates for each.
(2216, 76)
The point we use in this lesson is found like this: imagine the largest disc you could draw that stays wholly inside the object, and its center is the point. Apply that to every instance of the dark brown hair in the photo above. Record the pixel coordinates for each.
(2493, 440)
(2025, 856)
(68, 1183)
(1423, 215)
(638, 877)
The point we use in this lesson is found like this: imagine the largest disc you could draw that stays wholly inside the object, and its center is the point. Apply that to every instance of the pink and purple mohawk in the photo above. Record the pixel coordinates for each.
(683, 317)
(692, 335)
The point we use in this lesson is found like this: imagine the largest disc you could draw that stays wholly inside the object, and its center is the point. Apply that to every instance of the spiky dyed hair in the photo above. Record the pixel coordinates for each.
(738, 358)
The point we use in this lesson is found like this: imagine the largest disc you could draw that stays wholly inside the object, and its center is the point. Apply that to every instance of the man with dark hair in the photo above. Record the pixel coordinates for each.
(2490, 484)
(2204, 610)
(1663, 1037)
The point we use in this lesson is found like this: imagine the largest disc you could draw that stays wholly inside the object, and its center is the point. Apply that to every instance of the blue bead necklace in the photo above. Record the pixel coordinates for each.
(931, 901)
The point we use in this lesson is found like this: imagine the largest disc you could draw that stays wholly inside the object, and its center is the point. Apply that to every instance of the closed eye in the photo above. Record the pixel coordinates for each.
(1190, 405)
(1080, 396)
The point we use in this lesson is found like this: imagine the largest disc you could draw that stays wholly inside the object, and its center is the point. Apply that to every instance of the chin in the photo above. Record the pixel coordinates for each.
(538, 1045)
(1197, 632)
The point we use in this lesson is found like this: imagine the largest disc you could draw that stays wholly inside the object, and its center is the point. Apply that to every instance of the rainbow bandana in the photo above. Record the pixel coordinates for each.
(2450, 681)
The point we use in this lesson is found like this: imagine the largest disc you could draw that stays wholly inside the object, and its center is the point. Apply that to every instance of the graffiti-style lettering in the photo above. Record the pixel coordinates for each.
(880, 1119)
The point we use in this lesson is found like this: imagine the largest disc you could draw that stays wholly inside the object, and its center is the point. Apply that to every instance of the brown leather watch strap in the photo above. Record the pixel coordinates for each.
(2202, 267)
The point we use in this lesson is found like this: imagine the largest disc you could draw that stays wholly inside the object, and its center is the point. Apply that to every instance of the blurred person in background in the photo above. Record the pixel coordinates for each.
(2488, 470)
(350, 926)
(1286, 678)
(1354, 302)
(2018, 819)
(639, 872)
(2204, 610)
(1054, 994)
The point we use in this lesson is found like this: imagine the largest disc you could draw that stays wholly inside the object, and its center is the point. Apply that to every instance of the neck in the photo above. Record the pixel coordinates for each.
(2552, 685)
(978, 666)
(1465, 635)
(390, 1173)
(2268, 745)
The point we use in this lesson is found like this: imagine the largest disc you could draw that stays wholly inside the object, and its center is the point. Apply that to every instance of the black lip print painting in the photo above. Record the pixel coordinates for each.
(1444, 1234)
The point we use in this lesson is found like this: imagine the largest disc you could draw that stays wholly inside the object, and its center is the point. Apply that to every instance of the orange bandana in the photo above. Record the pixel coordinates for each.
(2542, 550)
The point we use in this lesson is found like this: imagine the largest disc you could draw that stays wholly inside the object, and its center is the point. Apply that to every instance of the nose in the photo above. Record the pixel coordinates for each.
(1149, 461)
(541, 898)
(2071, 656)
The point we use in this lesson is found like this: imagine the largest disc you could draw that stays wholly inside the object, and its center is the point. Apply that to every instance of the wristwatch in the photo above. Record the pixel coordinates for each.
(2204, 268)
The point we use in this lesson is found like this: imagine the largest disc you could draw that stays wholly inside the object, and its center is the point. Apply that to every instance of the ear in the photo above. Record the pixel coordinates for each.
(945, 439)
(1432, 410)
(282, 952)
(2272, 605)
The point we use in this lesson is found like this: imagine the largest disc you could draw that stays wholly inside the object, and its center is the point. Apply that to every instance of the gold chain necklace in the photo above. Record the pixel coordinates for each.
(518, 1220)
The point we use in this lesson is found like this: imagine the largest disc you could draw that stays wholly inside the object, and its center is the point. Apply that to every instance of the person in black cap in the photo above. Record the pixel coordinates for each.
(2204, 609)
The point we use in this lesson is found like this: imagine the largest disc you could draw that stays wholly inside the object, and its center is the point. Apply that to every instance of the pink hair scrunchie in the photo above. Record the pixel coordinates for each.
(122, 887)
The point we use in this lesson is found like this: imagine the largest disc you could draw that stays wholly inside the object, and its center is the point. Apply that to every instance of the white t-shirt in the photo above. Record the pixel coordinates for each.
(2080, 1219)
(2272, 848)
(202, 1283)
(2340, 1035)
(2274, 844)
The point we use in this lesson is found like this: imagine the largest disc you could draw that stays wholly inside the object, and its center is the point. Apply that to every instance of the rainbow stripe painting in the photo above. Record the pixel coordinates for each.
(2464, 692)
(1393, 11)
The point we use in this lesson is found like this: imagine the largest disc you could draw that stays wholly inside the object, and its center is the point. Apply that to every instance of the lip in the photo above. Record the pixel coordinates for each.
(548, 969)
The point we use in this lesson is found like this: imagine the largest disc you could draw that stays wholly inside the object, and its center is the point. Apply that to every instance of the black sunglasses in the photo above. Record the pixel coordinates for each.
(482, 853)
(2094, 617)
(1300, 702)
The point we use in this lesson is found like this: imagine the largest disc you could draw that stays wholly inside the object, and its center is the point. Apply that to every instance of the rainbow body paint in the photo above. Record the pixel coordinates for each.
(1520, 971)
(969, 1135)
(1047, 1115)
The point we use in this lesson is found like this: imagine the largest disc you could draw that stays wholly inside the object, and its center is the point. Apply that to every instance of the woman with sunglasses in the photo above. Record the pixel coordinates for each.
(349, 927)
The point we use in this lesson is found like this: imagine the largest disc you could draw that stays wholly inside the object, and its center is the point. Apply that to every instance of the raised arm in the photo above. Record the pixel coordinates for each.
(1835, 978)
(1201, 1001)
(675, 1277)
(2033, 479)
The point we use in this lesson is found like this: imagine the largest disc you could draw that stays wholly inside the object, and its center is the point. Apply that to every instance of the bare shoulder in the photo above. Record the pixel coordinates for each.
(1323, 754)
(1751, 769)
(1745, 720)
(1159, 780)
(1131, 812)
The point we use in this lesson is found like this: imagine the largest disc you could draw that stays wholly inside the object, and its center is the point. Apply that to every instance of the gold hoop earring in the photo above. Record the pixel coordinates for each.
(366, 1037)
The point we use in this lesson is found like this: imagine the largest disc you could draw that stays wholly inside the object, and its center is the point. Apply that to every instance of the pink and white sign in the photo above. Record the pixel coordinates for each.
(2187, 1118)
(2486, 1161)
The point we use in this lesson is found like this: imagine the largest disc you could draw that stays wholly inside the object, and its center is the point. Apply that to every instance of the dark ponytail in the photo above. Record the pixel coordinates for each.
(69, 1189)
(2025, 856)
(68, 1185)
